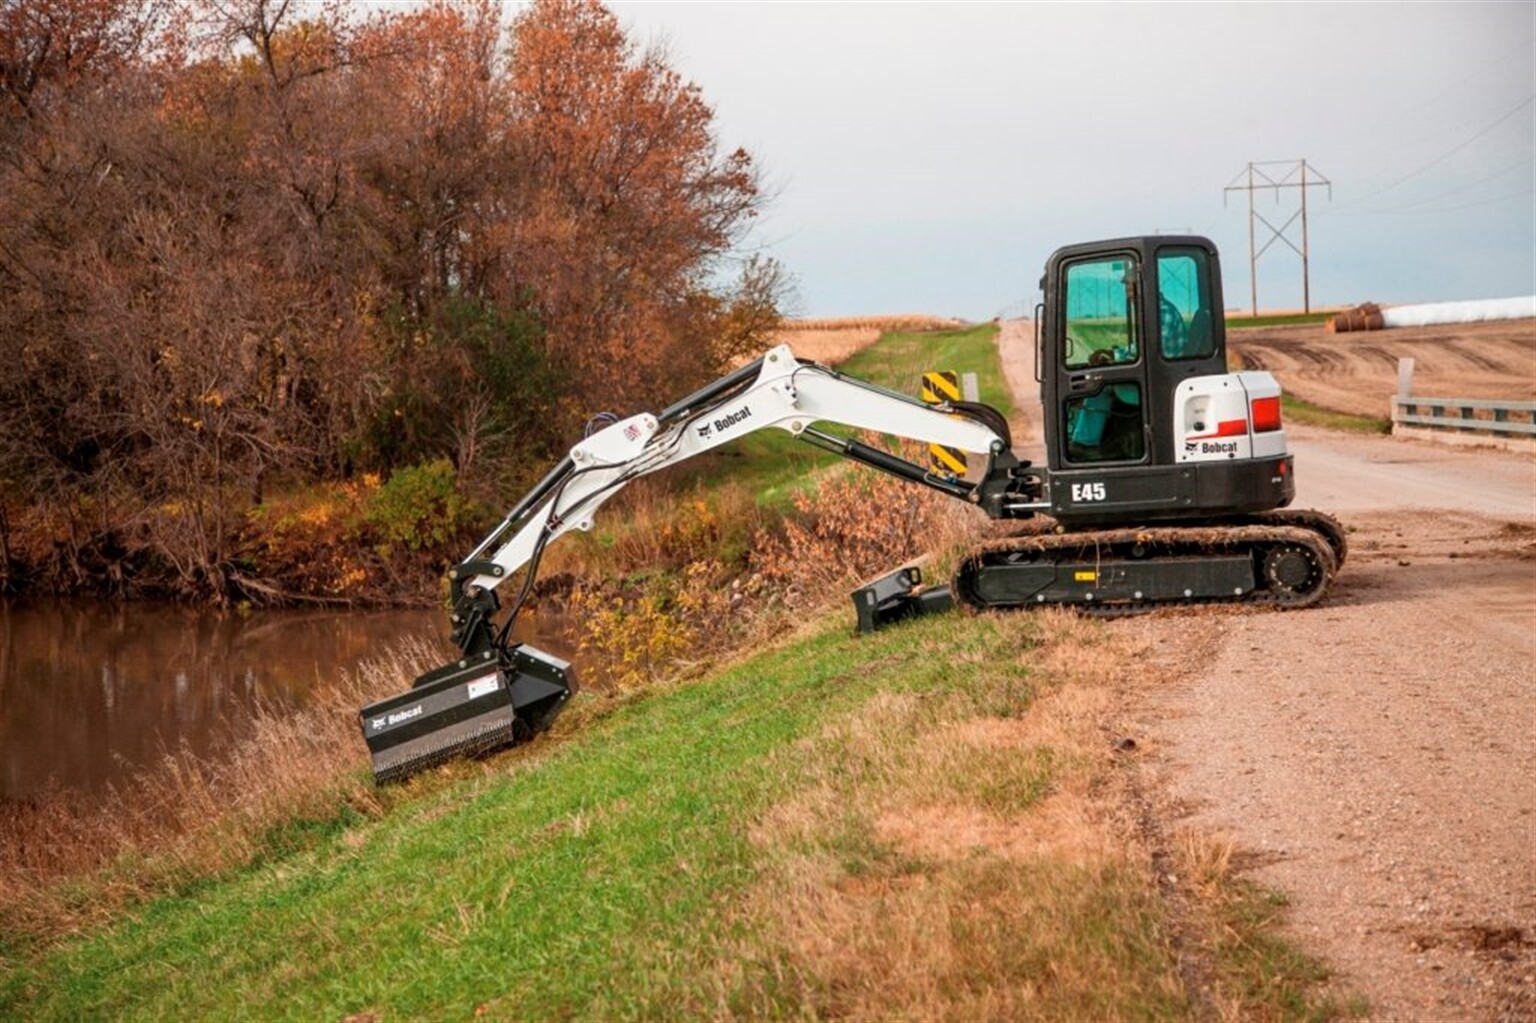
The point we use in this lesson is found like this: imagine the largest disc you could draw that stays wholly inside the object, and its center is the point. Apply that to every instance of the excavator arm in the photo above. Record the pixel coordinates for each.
(497, 692)
(776, 391)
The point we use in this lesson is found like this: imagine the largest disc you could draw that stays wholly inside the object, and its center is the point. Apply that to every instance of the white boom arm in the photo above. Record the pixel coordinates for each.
(787, 394)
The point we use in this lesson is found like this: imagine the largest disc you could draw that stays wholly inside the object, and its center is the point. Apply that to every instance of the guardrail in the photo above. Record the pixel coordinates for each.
(1407, 412)
(1464, 415)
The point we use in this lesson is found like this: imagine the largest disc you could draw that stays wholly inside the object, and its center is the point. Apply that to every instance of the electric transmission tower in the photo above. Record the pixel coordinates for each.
(1277, 175)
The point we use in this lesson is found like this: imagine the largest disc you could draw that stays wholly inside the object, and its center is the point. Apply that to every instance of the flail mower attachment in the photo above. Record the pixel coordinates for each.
(898, 596)
(466, 708)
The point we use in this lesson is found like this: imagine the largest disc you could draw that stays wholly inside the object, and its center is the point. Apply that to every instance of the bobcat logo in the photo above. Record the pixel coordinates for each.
(705, 431)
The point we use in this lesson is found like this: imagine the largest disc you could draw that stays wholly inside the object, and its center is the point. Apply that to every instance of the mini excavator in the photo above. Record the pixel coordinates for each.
(1167, 481)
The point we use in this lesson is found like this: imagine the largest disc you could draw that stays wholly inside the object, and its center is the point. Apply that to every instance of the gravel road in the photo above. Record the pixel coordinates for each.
(1372, 758)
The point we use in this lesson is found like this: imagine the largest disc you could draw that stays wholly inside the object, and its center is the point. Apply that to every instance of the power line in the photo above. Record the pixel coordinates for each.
(1452, 209)
(1386, 126)
(1442, 157)
(1414, 204)
(1294, 177)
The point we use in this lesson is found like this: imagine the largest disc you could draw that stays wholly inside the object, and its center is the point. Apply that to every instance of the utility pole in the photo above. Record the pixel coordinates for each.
(1277, 175)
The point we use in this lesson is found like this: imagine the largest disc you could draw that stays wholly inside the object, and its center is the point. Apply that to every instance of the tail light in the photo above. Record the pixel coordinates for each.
(1264, 413)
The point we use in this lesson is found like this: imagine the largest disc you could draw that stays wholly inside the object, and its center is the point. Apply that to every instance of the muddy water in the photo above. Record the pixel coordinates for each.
(90, 693)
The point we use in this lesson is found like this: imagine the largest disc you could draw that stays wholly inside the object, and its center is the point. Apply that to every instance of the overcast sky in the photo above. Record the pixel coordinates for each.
(929, 157)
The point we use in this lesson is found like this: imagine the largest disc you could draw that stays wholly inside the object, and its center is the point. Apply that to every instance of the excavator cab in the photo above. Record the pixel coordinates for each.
(1142, 420)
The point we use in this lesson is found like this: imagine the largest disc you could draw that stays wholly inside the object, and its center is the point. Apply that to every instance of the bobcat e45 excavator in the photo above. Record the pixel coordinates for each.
(1165, 476)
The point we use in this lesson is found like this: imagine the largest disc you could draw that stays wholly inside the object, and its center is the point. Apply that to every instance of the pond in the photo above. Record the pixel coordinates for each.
(90, 693)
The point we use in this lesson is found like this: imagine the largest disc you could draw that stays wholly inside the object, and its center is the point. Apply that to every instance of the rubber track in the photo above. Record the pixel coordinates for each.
(1305, 518)
(1180, 541)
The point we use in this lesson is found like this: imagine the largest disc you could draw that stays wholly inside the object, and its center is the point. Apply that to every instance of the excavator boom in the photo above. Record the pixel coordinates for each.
(498, 692)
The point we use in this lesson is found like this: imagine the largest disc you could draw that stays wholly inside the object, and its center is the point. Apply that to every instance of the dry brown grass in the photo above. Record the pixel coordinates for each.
(66, 863)
(959, 859)
(900, 321)
(831, 341)
(828, 347)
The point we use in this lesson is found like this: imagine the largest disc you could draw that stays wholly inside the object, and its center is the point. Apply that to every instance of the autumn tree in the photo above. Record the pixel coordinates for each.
(626, 205)
(250, 244)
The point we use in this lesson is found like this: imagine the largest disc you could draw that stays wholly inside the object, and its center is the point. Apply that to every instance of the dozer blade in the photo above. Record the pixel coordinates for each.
(466, 708)
(897, 596)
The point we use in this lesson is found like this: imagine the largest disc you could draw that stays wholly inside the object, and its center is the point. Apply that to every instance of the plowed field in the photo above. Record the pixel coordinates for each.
(1357, 372)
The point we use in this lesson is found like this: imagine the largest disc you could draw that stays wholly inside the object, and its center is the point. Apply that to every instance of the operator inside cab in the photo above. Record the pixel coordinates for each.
(1103, 335)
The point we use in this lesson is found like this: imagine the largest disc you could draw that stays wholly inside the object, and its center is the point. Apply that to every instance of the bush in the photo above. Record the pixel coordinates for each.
(419, 506)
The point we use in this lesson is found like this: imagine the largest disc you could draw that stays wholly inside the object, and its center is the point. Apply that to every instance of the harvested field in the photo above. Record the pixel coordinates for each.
(1357, 372)
(831, 341)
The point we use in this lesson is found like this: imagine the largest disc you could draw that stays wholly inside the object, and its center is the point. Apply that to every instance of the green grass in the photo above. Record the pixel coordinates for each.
(590, 875)
(1295, 410)
(673, 856)
(898, 361)
(1284, 320)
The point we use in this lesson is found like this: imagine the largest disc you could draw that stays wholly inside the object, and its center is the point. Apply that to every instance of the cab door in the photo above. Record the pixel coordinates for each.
(1100, 402)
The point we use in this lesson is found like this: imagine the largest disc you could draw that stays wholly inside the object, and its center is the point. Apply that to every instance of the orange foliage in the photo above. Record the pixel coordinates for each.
(300, 243)
(853, 526)
(626, 198)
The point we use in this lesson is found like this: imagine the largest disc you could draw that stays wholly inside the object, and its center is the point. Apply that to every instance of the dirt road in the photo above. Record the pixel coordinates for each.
(1372, 758)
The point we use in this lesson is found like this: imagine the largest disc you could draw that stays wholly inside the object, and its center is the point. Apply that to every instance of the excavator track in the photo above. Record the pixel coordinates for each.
(1305, 518)
(1286, 560)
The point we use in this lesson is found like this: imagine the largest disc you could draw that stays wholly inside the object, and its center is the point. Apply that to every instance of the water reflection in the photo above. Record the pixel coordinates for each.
(91, 692)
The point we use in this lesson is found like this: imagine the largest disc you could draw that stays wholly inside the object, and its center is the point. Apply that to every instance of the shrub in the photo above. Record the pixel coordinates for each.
(851, 527)
(418, 506)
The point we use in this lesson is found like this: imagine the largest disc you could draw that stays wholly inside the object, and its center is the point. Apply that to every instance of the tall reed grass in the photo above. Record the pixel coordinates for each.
(67, 860)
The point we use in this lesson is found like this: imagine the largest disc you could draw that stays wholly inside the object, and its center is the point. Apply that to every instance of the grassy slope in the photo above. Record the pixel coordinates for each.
(599, 874)
(775, 465)
(1295, 410)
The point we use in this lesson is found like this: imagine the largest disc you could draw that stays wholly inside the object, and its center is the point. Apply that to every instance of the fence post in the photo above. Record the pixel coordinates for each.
(1404, 388)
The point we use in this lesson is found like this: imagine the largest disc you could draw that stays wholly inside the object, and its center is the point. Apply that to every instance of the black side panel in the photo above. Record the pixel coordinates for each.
(1118, 581)
(1194, 491)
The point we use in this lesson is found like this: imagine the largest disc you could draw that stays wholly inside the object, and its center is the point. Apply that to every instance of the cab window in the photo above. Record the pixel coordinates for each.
(1100, 313)
(1106, 426)
(1184, 305)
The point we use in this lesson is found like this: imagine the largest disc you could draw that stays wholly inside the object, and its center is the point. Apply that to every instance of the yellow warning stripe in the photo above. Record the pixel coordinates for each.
(947, 459)
(939, 387)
